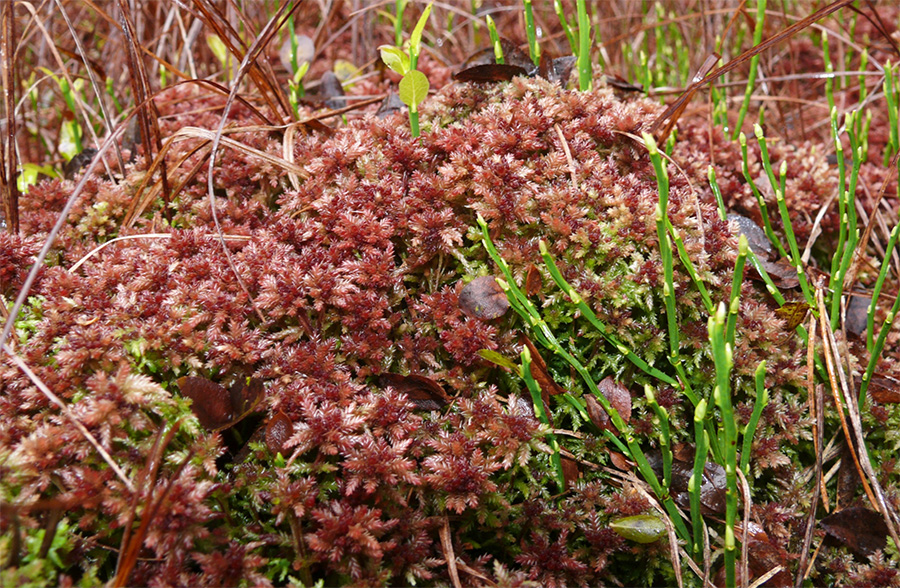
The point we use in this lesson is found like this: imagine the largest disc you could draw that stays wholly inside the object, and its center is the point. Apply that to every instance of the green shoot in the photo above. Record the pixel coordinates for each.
(534, 49)
(585, 71)
(495, 40)
(754, 67)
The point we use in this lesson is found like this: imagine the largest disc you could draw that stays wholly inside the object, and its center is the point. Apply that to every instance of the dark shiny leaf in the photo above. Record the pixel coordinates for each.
(492, 72)
(884, 390)
(217, 408)
(756, 237)
(570, 471)
(861, 530)
(484, 299)
(556, 69)
(533, 280)
(278, 430)
(857, 314)
(424, 393)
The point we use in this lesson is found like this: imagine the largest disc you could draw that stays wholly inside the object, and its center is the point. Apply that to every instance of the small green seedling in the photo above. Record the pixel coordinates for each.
(495, 40)
(414, 86)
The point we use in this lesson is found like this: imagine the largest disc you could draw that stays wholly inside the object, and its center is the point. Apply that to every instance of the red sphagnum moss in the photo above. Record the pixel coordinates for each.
(356, 273)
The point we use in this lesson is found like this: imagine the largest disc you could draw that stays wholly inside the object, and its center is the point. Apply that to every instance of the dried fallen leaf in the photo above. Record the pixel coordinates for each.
(570, 471)
(423, 392)
(492, 72)
(217, 408)
(484, 299)
(857, 314)
(793, 313)
(884, 390)
(533, 280)
(278, 430)
(861, 530)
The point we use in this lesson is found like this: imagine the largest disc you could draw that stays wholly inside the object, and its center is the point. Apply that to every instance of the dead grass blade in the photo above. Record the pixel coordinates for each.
(860, 454)
(131, 543)
(667, 120)
(8, 154)
(449, 557)
(20, 363)
(95, 86)
(148, 117)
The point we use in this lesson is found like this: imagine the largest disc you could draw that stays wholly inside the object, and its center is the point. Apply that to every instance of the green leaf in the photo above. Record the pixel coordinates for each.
(395, 59)
(218, 48)
(640, 528)
(416, 38)
(29, 175)
(413, 88)
(497, 359)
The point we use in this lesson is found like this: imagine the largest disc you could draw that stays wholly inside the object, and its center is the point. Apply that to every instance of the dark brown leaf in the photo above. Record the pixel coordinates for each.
(484, 299)
(390, 105)
(570, 471)
(278, 430)
(857, 314)
(556, 69)
(540, 373)
(756, 237)
(619, 461)
(618, 395)
(847, 478)
(621, 84)
(884, 390)
(533, 280)
(217, 408)
(712, 487)
(793, 313)
(492, 72)
(863, 531)
(512, 55)
(423, 392)
(598, 415)
(782, 273)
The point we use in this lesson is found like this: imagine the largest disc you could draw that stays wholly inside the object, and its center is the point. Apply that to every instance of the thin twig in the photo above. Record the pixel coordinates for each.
(68, 414)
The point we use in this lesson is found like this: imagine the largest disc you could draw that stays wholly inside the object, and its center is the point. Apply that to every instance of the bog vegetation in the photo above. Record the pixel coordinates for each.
(503, 293)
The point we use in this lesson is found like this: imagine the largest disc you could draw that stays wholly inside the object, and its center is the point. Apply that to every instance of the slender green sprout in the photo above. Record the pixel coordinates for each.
(762, 399)
(539, 410)
(534, 49)
(701, 440)
(754, 67)
(495, 39)
(585, 70)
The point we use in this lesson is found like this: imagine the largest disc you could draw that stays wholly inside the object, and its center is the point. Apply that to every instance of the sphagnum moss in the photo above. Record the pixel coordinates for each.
(357, 273)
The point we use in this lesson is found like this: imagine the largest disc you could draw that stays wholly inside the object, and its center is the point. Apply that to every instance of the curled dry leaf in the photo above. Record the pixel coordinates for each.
(424, 393)
(570, 470)
(484, 299)
(793, 313)
(217, 408)
(884, 390)
(861, 530)
(857, 314)
(533, 280)
(278, 430)
(540, 373)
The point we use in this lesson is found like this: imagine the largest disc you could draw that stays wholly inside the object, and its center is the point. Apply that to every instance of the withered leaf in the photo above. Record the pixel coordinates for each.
(619, 461)
(217, 408)
(484, 299)
(756, 237)
(423, 392)
(621, 84)
(857, 314)
(884, 390)
(390, 105)
(618, 395)
(848, 477)
(570, 470)
(278, 430)
(512, 55)
(793, 313)
(556, 69)
(598, 415)
(712, 486)
(540, 373)
(492, 72)
(782, 273)
(863, 531)
(533, 280)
